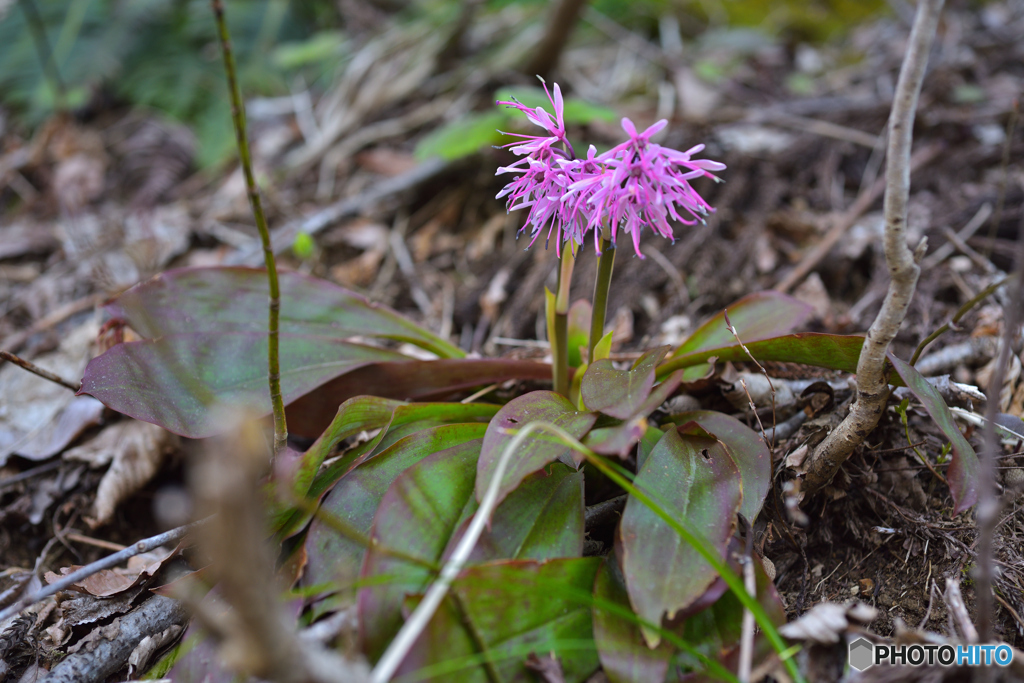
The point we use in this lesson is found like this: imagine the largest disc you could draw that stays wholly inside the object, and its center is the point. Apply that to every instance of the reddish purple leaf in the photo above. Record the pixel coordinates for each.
(410, 380)
(538, 450)
(748, 451)
(180, 380)
(620, 393)
(695, 480)
(625, 656)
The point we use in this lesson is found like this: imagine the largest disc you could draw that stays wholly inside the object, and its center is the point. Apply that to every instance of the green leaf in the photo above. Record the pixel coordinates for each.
(499, 613)
(354, 500)
(579, 331)
(536, 453)
(303, 246)
(833, 351)
(747, 449)
(695, 479)
(427, 510)
(395, 420)
(320, 47)
(755, 316)
(462, 137)
(964, 468)
(575, 110)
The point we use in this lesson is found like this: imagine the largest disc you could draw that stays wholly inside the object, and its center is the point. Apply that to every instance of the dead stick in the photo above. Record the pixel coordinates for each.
(872, 378)
(137, 548)
(846, 220)
(988, 499)
(36, 370)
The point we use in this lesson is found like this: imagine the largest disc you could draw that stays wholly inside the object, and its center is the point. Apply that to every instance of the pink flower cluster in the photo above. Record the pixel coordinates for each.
(635, 184)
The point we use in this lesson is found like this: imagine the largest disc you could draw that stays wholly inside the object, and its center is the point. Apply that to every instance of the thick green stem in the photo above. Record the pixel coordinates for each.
(559, 334)
(605, 263)
(238, 118)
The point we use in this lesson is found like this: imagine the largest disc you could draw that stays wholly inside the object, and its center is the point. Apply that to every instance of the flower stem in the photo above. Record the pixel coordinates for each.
(238, 118)
(605, 263)
(559, 335)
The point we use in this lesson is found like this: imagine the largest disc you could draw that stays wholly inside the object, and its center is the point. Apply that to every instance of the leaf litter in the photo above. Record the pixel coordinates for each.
(884, 524)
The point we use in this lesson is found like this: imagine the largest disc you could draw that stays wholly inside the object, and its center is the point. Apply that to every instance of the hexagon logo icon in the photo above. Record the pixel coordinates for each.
(862, 654)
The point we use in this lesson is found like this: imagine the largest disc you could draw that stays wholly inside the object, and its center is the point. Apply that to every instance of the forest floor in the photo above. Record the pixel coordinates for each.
(97, 202)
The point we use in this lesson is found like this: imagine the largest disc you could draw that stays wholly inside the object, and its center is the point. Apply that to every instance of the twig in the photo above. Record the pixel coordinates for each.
(556, 35)
(28, 474)
(108, 654)
(18, 339)
(845, 221)
(957, 608)
(965, 249)
(747, 624)
(256, 636)
(284, 236)
(36, 370)
(967, 232)
(66, 582)
(274, 309)
(997, 217)
(753, 408)
(961, 312)
(988, 499)
(872, 380)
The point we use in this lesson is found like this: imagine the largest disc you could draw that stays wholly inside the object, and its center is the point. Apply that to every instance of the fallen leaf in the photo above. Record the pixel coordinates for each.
(135, 451)
(109, 582)
(31, 407)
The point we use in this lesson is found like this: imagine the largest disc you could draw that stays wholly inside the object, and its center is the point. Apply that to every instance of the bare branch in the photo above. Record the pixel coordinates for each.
(872, 384)
(36, 370)
(66, 582)
(256, 637)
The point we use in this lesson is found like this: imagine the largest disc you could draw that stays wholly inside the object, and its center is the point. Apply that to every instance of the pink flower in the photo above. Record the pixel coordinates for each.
(644, 184)
(545, 173)
(635, 184)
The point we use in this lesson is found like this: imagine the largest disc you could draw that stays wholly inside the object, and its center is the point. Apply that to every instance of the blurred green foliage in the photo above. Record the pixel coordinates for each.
(161, 54)
(466, 135)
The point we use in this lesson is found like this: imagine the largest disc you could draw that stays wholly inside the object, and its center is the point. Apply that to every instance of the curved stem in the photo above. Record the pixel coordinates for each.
(274, 314)
(602, 285)
(872, 377)
(559, 333)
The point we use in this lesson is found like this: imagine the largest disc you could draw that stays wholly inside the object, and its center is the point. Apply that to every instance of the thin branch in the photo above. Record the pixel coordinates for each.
(36, 370)
(238, 119)
(961, 312)
(66, 582)
(988, 500)
(561, 23)
(872, 379)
